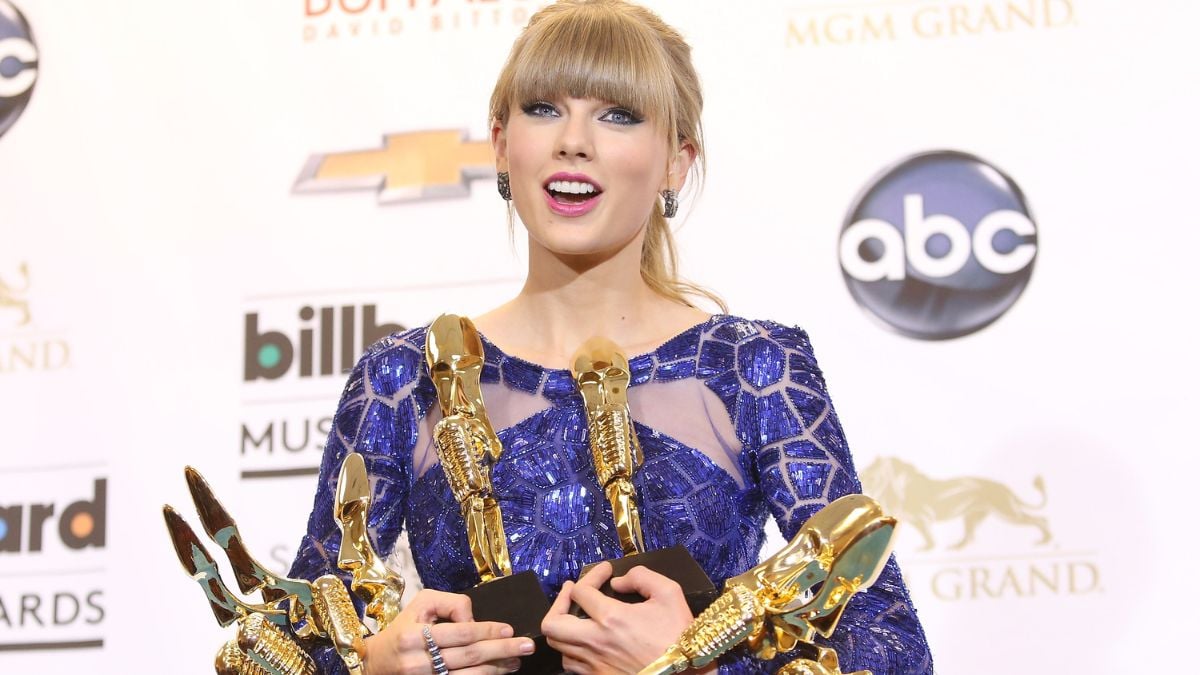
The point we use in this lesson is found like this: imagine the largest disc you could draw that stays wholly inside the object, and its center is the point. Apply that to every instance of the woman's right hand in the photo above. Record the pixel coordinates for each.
(468, 647)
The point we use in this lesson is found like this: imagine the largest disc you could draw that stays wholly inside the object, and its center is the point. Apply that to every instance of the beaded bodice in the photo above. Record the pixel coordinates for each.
(735, 423)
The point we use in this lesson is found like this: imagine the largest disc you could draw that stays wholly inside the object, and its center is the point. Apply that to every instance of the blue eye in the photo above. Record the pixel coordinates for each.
(622, 116)
(540, 109)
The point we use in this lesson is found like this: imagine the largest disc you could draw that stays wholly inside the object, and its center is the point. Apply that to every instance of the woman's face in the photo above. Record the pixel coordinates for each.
(585, 173)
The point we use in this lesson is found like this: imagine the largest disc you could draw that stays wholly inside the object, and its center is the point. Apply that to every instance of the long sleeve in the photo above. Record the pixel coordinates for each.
(797, 452)
(378, 417)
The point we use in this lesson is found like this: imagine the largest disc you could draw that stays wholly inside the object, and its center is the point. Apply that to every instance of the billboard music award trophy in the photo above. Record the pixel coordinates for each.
(601, 372)
(467, 447)
(800, 592)
(292, 611)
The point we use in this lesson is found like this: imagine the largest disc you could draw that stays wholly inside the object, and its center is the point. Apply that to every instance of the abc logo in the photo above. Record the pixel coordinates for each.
(938, 246)
(80, 525)
(18, 64)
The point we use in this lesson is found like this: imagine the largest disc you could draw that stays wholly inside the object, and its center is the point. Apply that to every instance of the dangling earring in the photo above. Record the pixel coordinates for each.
(502, 185)
(670, 203)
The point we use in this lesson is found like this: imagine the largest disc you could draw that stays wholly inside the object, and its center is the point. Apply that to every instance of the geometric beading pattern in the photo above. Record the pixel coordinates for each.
(794, 459)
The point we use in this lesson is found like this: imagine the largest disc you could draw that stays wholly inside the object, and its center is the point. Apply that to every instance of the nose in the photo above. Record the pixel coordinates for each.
(575, 138)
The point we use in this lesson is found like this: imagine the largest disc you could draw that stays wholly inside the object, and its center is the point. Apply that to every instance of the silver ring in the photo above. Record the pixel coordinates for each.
(435, 653)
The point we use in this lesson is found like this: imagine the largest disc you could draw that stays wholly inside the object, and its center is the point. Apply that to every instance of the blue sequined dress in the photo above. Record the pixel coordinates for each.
(734, 420)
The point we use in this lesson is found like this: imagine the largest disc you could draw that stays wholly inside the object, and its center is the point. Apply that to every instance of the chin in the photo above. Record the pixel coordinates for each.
(563, 246)
(580, 239)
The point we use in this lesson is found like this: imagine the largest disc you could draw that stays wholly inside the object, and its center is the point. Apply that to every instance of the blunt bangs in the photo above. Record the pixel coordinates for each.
(590, 54)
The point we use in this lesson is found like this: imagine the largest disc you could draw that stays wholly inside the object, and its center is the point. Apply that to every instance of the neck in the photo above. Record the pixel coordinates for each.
(577, 297)
(568, 299)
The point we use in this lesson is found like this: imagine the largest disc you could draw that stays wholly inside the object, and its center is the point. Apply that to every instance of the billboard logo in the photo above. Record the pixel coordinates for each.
(80, 525)
(409, 167)
(270, 354)
(18, 64)
(294, 363)
(938, 246)
(52, 557)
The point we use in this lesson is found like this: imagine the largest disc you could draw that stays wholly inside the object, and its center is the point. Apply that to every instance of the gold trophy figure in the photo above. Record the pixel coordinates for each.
(602, 375)
(794, 595)
(292, 610)
(601, 372)
(466, 443)
(468, 448)
(376, 585)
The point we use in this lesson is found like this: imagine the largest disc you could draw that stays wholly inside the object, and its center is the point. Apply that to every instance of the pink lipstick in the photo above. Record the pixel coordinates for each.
(571, 194)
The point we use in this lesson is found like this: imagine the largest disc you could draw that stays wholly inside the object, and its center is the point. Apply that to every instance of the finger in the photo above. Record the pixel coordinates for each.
(428, 606)
(574, 658)
(575, 666)
(460, 634)
(563, 602)
(558, 617)
(647, 583)
(589, 584)
(491, 669)
(568, 628)
(550, 623)
(569, 650)
(486, 652)
(597, 605)
(597, 575)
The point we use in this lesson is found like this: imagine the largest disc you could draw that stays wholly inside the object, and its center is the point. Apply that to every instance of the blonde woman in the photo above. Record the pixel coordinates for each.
(596, 127)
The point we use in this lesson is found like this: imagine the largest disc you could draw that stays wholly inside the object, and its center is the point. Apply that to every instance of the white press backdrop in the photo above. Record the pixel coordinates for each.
(152, 201)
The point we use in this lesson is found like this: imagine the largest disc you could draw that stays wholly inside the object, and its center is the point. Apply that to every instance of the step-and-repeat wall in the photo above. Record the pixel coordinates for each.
(981, 210)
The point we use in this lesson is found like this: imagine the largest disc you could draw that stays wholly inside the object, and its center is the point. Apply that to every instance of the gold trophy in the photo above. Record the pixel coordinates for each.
(601, 372)
(466, 443)
(468, 447)
(800, 592)
(377, 586)
(602, 375)
(292, 611)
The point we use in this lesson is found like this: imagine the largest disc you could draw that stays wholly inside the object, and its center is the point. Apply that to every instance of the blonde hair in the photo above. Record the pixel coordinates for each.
(615, 51)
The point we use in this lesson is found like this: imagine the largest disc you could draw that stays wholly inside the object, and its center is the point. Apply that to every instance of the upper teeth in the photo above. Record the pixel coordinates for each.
(571, 187)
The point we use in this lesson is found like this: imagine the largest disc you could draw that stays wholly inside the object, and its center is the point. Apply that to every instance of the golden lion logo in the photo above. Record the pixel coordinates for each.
(918, 500)
(11, 298)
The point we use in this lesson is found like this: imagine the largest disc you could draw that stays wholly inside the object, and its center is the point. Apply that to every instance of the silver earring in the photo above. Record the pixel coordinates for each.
(670, 203)
(503, 186)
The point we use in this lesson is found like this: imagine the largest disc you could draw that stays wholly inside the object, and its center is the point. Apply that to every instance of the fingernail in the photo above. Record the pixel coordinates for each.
(506, 631)
(527, 646)
(513, 666)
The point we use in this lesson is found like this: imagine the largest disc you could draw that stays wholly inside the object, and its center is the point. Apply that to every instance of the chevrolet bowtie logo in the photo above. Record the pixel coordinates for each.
(410, 166)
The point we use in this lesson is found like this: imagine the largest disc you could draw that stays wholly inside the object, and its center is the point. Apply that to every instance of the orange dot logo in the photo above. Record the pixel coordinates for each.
(82, 525)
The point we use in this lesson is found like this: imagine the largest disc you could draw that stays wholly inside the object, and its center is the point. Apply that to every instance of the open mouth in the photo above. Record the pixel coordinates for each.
(570, 192)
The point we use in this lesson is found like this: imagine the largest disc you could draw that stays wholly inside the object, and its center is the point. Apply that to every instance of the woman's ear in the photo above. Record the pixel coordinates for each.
(500, 145)
(679, 166)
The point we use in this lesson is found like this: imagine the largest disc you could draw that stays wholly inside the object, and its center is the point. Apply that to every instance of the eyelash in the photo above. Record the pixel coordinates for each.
(633, 117)
(535, 106)
(539, 108)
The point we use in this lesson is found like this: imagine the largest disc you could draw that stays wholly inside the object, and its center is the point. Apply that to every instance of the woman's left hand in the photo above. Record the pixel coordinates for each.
(618, 637)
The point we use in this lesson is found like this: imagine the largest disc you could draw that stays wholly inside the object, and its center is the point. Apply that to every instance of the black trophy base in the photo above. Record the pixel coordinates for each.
(518, 601)
(675, 563)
